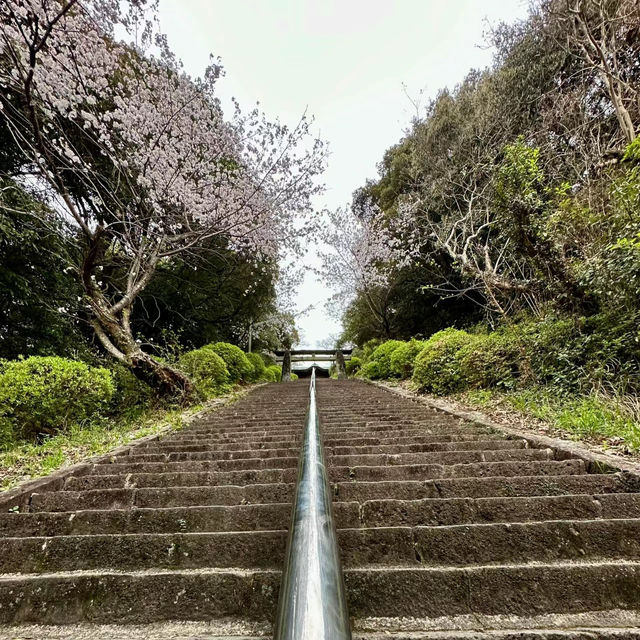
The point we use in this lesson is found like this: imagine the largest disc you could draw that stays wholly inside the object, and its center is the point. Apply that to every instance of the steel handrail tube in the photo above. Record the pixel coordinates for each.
(312, 603)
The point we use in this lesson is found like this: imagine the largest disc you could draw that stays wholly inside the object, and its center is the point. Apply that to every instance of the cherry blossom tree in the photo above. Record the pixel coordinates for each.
(137, 157)
(358, 257)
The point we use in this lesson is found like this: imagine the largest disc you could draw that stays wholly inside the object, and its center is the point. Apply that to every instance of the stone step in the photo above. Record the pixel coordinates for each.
(470, 445)
(243, 517)
(124, 465)
(458, 511)
(295, 435)
(588, 627)
(373, 513)
(336, 474)
(465, 545)
(158, 497)
(199, 445)
(205, 594)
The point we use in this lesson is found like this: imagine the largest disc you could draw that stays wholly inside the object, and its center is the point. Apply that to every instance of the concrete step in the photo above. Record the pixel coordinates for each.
(124, 465)
(200, 445)
(460, 445)
(156, 497)
(382, 513)
(447, 529)
(243, 517)
(462, 545)
(336, 474)
(238, 629)
(203, 594)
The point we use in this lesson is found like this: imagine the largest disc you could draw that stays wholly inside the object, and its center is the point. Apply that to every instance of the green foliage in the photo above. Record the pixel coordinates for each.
(207, 370)
(39, 293)
(353, 365)
(236, 360)
(382, 355)
(437, 368)
(258, 366)
(273, 373)
(403, 357)
(129, 391)
(203, 298)
(294, 376)
(43, 395)
(590, 416)
(491, 360)
(519, 177)
(370, 370)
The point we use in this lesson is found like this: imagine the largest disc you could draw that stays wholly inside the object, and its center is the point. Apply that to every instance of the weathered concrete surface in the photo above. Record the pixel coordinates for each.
(448, 529)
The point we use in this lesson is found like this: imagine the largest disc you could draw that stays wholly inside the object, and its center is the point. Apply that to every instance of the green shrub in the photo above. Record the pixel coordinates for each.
(273, 373)
(403, 357)
(294, 376)
(437, 367)
(7, 434)
(370, 370)
(45, 395)
(268, 359)
(364, 352)
(236, 360)
(207, 370)
(382, 355)
(129, 391)
(258, 366)
(353, 365)
(491, 360)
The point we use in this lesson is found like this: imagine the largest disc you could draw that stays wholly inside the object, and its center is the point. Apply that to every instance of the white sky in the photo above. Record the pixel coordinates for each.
(346, 62)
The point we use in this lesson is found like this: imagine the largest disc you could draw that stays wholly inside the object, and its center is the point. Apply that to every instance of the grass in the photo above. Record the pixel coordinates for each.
(26, 461)
(605, 419)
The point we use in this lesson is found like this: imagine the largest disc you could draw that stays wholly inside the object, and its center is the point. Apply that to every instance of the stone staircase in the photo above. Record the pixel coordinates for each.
(447, 530)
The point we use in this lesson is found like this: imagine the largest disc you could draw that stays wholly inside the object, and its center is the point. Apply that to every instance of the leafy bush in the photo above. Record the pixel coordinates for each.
(403, 357)
(437, 367)
(491, 360)
(382, 355)
(129, 391)
(268, 359)
(273, 373)
(207, 370)
(367, 349)
(44, 395)
(371, 370)
(236, 360)
(258, 365)
(294, 376)
(353, 365)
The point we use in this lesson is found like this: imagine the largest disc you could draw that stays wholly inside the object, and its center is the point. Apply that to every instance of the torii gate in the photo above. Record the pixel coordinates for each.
(287, 356)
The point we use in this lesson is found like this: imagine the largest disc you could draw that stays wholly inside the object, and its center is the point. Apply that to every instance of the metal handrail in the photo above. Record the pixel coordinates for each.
(312, 603)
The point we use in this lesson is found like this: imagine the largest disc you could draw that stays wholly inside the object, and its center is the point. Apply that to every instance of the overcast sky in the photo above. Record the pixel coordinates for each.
(346, 62)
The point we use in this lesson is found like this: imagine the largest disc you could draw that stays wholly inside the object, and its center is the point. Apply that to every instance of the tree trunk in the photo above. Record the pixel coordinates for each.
(114, 332)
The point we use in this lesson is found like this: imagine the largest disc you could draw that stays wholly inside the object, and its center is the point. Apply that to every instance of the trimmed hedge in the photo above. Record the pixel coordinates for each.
(403, 358)
(236, 360)
(437, 367)
(273, 373)
(130, 392)
(371, 370)
(45, 395)
(353, 365)
(258, 365)
(207, 370)
(382, 355)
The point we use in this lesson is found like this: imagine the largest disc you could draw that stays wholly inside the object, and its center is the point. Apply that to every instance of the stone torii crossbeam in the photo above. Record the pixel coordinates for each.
(287, 356)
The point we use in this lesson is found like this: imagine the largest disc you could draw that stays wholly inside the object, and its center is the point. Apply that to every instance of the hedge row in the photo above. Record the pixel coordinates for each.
(41, 396)
(554, 351)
